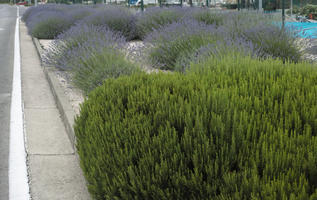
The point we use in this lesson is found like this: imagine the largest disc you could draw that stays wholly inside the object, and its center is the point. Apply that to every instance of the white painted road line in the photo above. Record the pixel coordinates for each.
(18, 177)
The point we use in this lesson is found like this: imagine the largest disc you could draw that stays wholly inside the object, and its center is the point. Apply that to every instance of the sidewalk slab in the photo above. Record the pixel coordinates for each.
(51, 183)
(35, 93)
(46, 133)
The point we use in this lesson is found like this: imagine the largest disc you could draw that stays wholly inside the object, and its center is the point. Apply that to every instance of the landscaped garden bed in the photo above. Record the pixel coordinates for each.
(230, 112)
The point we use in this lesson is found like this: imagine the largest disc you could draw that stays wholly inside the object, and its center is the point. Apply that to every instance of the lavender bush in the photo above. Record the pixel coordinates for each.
(47, 21)
(179, 39)
(262, 30)
(178, 44)
(207, 16)
(155, 18)
(274, 41)
(47, 25)
(34, 10)
(116, 18)
(78, 13)
(101, 64)
(78, 40)
(219, 49)
(91, 53)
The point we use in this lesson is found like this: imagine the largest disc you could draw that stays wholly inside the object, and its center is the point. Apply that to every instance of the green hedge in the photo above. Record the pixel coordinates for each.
(234, 128)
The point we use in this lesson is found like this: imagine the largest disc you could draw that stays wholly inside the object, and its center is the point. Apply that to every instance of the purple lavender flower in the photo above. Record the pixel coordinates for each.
(48, 24)
(155, 18)
(217, 50)
(180, 38)
(47, 21)
(274, 41)
(116, 18)
(77, 42)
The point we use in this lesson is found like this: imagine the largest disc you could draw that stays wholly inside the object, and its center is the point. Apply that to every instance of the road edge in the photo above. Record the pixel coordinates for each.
(18, 170)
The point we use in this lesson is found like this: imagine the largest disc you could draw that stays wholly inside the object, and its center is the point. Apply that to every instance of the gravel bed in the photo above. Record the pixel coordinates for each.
(74, 95)
(308, 47)
(135, 52)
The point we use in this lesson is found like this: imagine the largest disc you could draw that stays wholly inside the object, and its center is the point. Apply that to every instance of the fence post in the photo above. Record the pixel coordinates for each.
(260, 5)
(283, 13)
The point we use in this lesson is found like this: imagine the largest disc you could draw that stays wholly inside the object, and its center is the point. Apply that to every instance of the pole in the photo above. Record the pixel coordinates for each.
(283, 13)
(238, 4)
(181, 3)
(207, 3)
(142, 5)
(291, 7)
(260, 5)
(35, 2)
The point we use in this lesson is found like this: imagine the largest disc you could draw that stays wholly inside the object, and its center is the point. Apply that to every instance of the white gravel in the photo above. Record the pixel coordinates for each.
(135, 52)
(74, 95)
(309, 49)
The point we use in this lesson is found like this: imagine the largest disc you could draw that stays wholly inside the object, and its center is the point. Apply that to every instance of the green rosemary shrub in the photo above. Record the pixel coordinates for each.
(232, 128)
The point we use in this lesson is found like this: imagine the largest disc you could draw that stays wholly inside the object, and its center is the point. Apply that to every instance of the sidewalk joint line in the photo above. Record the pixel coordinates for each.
(63, 154)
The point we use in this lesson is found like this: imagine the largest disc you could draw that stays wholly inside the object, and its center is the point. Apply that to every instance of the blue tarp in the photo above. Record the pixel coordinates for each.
(303, 29)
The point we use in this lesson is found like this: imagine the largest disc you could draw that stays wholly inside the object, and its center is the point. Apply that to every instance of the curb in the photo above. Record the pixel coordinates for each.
(66, 111)
(64, 107)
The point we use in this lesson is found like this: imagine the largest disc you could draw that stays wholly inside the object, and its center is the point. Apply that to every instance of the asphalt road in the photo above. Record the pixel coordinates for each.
(8, 15)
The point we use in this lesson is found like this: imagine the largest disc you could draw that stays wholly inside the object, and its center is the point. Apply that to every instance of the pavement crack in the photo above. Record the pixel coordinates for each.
(62, 154)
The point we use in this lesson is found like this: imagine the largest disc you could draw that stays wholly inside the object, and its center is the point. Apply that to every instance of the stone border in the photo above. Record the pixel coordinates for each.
(65, 109)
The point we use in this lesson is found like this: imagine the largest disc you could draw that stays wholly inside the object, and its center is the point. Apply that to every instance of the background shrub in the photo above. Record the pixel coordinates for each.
(232, 128)
(177, 44)
(77, 42)
(155, 18)
(91, 54)
(117, 18)
(79, 13)
(48, 21)
(208, 16)
(274, 41)
(308, 9)
(177, 40)
(34, 10)
(48, 24)
(228, 46)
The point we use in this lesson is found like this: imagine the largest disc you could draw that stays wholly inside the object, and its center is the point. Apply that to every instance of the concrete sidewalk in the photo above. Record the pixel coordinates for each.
(54, 170)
